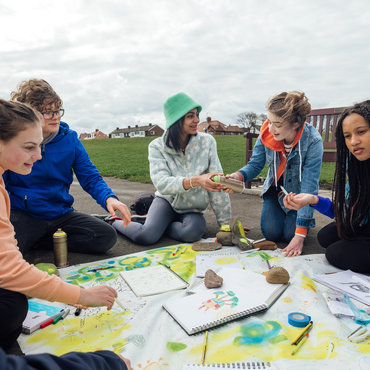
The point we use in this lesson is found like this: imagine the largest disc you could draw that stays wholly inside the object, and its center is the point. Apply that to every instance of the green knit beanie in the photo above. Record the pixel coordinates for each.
(177, 106)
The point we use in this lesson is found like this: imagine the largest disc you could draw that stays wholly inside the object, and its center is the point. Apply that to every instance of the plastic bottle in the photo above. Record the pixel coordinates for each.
(235, 185)
(60, 248)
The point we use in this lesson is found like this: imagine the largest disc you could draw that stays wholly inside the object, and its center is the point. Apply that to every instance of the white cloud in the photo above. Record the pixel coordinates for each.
(115, 62)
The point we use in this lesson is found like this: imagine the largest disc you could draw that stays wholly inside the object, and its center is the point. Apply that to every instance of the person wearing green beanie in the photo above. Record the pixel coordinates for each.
(181, 164)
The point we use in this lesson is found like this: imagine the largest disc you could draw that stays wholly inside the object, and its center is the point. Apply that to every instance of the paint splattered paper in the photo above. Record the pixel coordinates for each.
(147, 335)
(242, 293)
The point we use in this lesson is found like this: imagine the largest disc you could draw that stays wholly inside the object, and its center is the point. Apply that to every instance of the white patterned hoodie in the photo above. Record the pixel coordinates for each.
(168, 169)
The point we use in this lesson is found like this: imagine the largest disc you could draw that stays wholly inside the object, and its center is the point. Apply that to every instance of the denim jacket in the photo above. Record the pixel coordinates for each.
(302, 167)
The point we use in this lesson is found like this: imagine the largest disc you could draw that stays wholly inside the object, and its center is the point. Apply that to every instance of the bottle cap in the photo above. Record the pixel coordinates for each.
(216, 178)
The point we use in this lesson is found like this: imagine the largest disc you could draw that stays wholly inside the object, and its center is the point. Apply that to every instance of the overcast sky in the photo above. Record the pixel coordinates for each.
(114, 62)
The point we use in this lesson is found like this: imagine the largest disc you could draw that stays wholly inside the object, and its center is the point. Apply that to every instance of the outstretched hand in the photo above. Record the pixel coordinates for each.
(297, 201)
(231, 176)
(114, 204)
(97, 296)
(294, 248)
(206, 183)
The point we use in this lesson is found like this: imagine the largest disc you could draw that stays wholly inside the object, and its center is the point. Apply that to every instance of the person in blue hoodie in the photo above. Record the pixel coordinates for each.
(40, 201)
(293, 151)
(347, 240)
(99, 360)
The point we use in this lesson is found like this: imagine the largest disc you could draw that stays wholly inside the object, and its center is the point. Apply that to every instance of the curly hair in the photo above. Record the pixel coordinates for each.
(293, 107)
(15, 117)
(350, 210)
(36, 93)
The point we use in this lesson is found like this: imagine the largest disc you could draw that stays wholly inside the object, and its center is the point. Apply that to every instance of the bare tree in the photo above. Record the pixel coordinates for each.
(249, 120)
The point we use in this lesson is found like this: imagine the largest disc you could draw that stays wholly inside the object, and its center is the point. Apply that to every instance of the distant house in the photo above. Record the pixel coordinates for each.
(218, 128)
(97, 134)
(142, 131)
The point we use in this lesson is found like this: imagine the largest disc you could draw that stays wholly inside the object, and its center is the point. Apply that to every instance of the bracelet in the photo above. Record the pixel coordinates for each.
(191, 185)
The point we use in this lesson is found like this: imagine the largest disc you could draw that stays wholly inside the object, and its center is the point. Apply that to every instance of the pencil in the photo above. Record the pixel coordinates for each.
(119, 304)
(305, 330)
(298, 346)
(204, 348)
(284, 191)
(175, 251)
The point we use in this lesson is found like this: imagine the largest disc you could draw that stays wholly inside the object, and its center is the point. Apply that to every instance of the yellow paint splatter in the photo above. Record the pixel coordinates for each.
(100, 331)
(308, 283)
(225, 260)
(287, 299)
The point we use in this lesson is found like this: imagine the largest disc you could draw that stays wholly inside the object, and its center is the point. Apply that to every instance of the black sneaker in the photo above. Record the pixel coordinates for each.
(107, 218)
(139, 219)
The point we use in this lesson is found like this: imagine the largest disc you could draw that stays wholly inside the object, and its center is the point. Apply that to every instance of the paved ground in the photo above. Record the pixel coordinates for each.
(246, 206)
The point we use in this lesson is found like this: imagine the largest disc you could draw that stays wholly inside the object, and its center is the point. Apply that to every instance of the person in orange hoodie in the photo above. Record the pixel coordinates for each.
(20, 139)
(293, 150)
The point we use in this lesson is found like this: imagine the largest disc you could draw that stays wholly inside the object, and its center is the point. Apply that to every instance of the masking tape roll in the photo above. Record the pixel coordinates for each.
(298, 319)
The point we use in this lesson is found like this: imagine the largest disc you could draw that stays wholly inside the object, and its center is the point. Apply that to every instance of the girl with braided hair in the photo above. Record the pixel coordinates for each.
(347, 240)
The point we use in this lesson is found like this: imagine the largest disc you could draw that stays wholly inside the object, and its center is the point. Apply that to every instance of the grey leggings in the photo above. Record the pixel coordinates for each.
(162, 219)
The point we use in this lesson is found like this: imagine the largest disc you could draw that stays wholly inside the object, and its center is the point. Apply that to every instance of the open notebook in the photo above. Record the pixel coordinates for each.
(243, 293)
(152, 280)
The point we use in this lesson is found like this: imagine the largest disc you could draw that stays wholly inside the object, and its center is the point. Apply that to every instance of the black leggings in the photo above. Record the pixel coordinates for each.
(13, 311)
(345, 254)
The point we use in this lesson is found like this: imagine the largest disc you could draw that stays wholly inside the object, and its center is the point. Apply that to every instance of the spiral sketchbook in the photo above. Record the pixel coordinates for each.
(235, 365)
(242, 293)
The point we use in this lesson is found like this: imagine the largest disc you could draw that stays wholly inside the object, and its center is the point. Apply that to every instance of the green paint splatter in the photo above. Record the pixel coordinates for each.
(278, 339)
(175, 347)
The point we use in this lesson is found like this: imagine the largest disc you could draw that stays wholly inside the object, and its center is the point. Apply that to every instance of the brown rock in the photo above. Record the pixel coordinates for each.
(277, 275)
(265, 245)
(206, 246)
(212, 280)
(224, 237)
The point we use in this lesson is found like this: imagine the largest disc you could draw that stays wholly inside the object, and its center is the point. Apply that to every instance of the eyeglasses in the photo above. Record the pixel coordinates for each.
(50, 115)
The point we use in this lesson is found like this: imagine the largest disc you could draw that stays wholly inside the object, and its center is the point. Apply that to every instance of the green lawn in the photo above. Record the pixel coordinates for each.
(127, 158)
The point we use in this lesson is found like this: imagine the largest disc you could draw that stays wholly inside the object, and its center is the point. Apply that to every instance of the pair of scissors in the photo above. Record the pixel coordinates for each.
(359, 335)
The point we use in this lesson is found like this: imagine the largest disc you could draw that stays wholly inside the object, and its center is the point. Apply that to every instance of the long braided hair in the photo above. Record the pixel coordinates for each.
(351, 209)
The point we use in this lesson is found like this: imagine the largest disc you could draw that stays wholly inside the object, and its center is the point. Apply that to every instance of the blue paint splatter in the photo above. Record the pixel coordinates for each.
(258, 332)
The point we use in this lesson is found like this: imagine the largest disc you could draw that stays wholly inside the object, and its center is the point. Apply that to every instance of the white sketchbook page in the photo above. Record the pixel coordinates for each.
(214, 261)
(244, 291)
(152, 280)
(245, 279)
(354, 284)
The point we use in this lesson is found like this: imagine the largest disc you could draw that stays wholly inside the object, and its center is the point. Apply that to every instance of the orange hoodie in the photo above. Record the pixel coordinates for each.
(18, 275)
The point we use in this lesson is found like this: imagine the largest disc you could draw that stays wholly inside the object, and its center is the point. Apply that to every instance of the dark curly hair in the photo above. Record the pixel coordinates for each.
(351, 210)
(36, 93)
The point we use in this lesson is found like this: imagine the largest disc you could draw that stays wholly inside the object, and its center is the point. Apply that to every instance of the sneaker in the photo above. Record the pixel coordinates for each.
(107, 218)
(138, 218)
(238, 235)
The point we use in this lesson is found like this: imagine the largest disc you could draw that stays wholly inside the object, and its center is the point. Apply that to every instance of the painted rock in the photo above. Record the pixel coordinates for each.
(206, 246)
(265, 245)
(277, 275)
(212, 280)
(48, 267)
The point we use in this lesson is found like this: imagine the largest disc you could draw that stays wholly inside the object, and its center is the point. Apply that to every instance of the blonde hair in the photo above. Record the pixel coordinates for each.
(37, 93)
(292, 107)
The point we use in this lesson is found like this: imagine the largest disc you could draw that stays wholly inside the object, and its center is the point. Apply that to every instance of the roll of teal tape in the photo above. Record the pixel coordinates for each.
(298, 319)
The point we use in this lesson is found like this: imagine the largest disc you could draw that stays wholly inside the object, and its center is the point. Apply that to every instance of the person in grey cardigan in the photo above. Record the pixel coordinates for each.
(182, 162)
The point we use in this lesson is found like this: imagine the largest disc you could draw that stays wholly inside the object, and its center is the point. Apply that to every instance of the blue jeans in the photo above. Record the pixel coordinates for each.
(276, 225)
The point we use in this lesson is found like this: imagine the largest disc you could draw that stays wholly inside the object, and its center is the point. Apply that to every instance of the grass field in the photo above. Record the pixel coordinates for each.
(127, 158)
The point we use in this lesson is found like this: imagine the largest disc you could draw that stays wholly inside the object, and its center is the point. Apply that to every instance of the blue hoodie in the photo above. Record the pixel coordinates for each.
(44, 193)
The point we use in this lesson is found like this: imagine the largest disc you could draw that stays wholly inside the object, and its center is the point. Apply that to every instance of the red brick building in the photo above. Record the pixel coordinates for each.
(97, 134)
(218, 128)
(137, 131)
